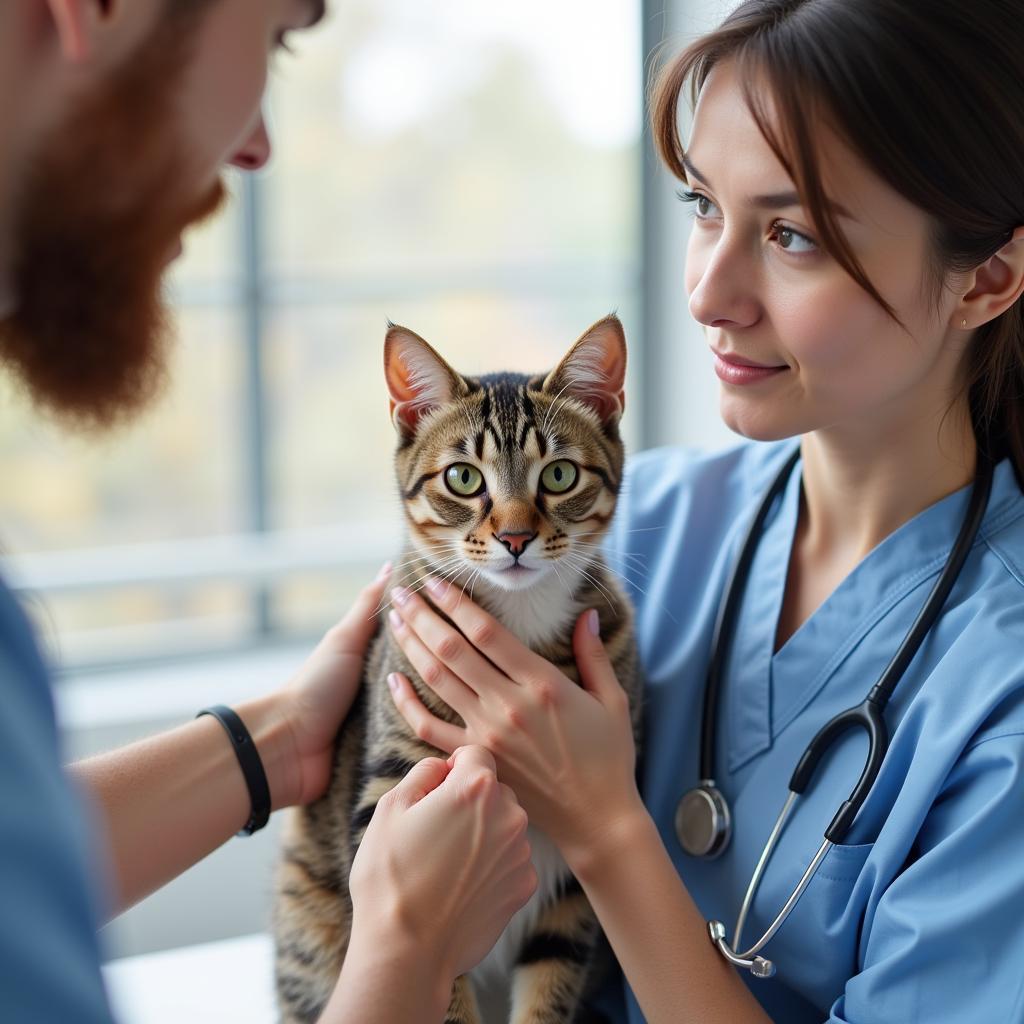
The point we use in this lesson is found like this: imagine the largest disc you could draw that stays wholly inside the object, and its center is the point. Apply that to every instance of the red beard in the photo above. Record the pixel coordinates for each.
(96, 224)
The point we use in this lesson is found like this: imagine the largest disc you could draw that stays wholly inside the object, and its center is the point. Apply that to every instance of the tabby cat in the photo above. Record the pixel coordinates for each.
(508, 484)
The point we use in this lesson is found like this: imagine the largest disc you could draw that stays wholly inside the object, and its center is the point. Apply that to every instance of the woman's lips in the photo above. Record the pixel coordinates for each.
(737, 370)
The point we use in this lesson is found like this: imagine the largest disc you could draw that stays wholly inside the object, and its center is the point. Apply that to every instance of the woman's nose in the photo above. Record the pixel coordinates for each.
(255, 152)
(725, 289)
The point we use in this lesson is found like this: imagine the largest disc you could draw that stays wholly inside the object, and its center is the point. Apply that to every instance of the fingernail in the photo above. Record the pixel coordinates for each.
(399, 595)
(594, 622)
(395, 619)
(437, 587)
(393, 682)
(385, 571)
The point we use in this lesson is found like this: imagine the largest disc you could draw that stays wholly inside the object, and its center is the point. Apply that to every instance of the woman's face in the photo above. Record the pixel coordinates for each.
(768, 295)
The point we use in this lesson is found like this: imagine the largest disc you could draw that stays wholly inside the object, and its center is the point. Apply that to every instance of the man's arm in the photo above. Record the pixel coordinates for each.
(170, 800)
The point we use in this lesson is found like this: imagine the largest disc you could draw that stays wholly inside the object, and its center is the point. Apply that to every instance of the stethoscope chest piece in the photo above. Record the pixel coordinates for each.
(703, 822)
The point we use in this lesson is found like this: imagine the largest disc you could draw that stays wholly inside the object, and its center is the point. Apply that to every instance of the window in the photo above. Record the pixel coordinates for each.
(469, 170)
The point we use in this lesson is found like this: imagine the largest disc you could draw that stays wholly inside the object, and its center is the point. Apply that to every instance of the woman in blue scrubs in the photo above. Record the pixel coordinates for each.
(857, 260)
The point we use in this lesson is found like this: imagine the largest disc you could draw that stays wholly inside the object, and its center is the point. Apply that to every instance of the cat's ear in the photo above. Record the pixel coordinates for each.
(594, 371)
(418, 378)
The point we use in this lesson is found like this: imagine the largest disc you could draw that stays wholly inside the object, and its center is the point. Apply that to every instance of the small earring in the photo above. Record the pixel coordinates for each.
(965, 323)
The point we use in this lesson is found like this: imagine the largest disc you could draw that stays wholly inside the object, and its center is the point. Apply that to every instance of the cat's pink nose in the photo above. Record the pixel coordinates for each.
(515, 542)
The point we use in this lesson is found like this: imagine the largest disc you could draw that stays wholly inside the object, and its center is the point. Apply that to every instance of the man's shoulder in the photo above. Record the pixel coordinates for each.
(19, 651)
(49, 952)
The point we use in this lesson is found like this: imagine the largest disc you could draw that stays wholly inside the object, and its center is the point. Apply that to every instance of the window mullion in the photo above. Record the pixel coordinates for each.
(254, 446)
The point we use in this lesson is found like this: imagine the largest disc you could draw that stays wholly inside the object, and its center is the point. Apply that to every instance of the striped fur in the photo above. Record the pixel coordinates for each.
(509, 427)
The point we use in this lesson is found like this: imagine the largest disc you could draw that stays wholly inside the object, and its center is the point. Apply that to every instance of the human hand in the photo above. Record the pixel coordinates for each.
(566, 750)
(443, 864)
(314, 703)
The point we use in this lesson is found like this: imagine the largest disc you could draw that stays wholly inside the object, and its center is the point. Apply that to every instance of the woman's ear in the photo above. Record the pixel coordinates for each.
(418, 379)
(594, 370)
(998, 284)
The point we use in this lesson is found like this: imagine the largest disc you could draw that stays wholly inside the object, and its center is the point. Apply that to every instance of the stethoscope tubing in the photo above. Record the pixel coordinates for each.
(866, 715)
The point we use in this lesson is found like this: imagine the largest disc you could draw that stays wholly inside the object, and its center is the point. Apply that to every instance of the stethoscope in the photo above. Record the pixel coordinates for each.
(703, 822)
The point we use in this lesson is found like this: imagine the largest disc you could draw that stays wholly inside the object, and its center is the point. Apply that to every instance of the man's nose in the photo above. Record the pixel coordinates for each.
(515, 542)
(255, 151)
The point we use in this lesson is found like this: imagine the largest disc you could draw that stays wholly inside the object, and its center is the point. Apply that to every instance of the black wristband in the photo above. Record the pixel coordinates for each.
(252, 766)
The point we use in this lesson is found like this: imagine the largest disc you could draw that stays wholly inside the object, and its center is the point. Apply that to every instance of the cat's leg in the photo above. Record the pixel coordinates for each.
(312, 912)
(552, 967)
(312, 921)
(463, 1008)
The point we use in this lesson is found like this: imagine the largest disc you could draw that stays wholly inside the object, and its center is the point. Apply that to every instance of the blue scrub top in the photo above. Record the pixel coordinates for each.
(920, 916)
(49, 862)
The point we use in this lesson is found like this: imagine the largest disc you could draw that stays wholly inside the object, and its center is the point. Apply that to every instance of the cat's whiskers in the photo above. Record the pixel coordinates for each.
(476, 579)
(420, 557)
(581, 566)
(558, 576)
(599, 549)
(632, 583)
(633, 562)
(639, 529)
(639, 561)
(444, 570)
(454, 580)
(421, 581)
(471, 584)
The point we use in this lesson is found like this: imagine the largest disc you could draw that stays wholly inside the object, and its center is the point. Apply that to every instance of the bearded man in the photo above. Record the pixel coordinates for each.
(117, 118)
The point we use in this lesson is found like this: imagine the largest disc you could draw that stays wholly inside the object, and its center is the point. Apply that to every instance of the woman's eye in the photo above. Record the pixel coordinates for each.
(786, 236)
(464, 480)
(700, 210)
(783, 236)
(559, 477)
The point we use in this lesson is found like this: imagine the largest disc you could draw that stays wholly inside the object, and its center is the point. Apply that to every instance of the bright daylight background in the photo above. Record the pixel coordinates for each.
(478, 172)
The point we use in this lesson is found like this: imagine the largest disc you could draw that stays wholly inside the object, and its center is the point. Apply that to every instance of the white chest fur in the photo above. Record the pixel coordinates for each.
(536, 616)
(539, 614)
(551, 870)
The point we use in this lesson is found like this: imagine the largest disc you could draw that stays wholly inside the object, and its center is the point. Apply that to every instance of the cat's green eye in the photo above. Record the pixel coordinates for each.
(559, 477)
(464, 480)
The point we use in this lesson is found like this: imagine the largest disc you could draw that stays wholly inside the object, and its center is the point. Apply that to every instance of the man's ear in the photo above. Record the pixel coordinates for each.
(419, 380)
(77, 23)
(72, 19)
(594, 370)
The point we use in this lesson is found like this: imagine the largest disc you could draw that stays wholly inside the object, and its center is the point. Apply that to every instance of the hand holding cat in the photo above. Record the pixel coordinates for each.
(566, 750)
(315, 702)
(444, 864)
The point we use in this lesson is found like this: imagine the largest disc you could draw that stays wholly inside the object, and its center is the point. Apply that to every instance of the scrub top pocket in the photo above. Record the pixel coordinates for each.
(816, 950)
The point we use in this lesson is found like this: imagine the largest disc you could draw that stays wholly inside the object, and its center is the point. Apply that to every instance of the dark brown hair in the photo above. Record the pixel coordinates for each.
(931, 96)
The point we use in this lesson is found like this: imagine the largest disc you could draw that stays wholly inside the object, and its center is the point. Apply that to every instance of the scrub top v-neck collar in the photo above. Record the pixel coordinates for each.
(766, 690)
